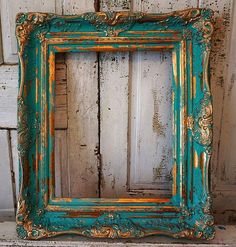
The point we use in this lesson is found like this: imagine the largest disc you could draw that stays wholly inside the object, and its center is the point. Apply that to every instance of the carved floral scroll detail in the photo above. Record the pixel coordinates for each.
(204, 121)
(112, 225)
(26, 23)
(25, 137)
(112, 23)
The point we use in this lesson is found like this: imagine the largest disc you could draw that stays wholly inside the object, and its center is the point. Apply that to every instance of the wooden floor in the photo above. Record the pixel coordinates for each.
(225, 236)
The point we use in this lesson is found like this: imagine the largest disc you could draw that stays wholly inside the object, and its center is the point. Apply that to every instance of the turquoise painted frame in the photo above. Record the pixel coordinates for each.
(187, 213)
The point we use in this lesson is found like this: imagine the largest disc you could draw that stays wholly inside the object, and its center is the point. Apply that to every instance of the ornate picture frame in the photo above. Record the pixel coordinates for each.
(187, 34)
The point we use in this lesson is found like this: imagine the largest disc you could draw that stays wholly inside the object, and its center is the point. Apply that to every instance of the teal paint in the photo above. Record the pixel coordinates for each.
(187, 214)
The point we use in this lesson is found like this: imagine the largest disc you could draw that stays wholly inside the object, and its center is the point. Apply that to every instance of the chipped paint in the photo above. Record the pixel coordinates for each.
(157, 125)
(39, 214)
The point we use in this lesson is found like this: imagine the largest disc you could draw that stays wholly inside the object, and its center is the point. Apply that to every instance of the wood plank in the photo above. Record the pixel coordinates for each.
(13, 181)
(1, 49)
(9, 9)
(82, 130)
(114, 75)
(76, 135)
(227, 157)
(114, 79)
(6, 195)
(223, 69)
(151, 121)
(219, 61)
(15, 159)
(160, 6)
(8, 96)
(61, 118)
(61, 164)
(151, 111)
(72, 7)
(82, 133)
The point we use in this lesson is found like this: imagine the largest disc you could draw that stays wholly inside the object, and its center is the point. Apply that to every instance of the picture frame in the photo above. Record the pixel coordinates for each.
(187, 214)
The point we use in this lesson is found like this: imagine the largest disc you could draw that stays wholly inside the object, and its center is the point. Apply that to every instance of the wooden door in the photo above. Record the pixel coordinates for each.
(117, 154)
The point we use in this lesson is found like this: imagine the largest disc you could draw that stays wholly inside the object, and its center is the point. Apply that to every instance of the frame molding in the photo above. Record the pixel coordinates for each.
(187, 213)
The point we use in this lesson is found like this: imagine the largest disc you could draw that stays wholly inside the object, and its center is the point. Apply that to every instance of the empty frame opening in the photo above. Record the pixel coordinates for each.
(113, 124)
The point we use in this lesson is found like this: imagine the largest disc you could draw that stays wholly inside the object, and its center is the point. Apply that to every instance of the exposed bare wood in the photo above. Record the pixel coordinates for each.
(61, 94)
(82, 133)
(114, 79)
(61, 164)
(150, 121)
(13, 134)
(76, 117)
(151, 111)
(1, 55)
(13, 180)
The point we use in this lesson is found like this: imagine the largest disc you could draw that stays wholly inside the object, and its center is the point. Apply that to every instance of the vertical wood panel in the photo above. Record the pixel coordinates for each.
(114, 78)
(227, 157)
(219, 68)
(151, 110)
(61, 164)
(76, 118)
(1, 49)
(15, 159)
(6, 193)
(61, 118)
(151, 118)
(223, 71)
(9, 9)
(82, 132)
(8, 96)
(72, 7)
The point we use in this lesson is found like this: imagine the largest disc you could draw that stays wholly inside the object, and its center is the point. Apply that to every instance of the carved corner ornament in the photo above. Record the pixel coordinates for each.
(187, 34)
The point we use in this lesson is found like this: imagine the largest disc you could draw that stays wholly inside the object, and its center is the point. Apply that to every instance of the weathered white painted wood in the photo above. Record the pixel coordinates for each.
(115, 5)
(8, 96)
(1, 55)
(9, 9)
(6, 193)
(219, 61)
(61, 119)
(13, 182)
(227, 157)
(114, 79)
(160, 6)
(114, 75)
(13, 135)
(222, 62)
(82, 130)
(76, 113)
(72, 7)
(225, 236)
(61, 93)
(151, 121)
(151, 110)
(114, 119)
(61, 164)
